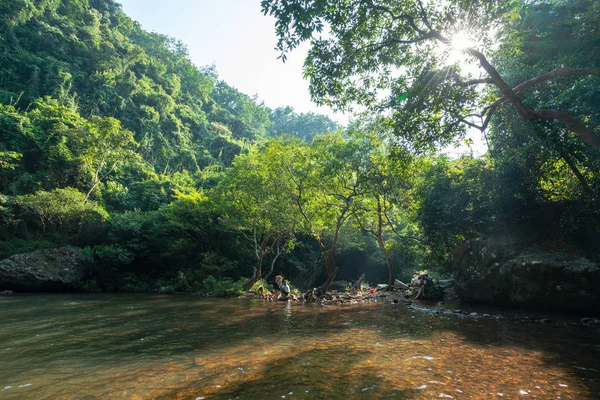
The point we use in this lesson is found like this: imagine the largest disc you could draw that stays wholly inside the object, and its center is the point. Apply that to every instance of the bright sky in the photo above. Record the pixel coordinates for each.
(239, 40)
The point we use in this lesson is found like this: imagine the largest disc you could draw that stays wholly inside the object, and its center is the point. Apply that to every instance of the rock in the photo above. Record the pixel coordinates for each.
(473, 315)
(446, 283)
(7, 293)
(590, 321)
(490, 271)
(59, 269)
(450, 294)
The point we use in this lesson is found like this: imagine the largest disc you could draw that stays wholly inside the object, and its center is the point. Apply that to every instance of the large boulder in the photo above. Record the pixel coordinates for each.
(59, 269)
(496, 272)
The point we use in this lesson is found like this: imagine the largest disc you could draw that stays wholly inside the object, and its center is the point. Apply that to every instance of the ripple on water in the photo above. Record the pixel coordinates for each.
(177, 346)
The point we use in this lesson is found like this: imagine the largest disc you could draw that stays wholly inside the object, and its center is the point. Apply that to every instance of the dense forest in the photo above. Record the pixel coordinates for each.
(113, 141)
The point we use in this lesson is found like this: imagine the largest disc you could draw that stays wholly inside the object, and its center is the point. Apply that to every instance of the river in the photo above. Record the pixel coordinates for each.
(185, 347)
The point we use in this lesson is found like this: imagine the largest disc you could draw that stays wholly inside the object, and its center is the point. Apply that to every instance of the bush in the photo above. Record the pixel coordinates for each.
(90, 286)
(260, 284)
(17, 246)
(62, 214)
(135, 286)
(224, 287)
(181, 283)
(109, 261)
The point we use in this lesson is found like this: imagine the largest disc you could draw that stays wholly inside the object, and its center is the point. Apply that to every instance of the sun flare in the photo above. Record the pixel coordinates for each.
(461, 41)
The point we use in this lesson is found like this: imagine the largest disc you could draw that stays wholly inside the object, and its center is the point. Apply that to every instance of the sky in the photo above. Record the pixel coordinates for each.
(240, 41)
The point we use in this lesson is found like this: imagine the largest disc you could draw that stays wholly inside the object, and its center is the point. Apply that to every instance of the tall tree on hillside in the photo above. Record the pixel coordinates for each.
(284, 120)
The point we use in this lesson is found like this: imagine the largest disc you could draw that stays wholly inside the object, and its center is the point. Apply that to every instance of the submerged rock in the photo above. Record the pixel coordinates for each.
(59, 269)
(490, 272)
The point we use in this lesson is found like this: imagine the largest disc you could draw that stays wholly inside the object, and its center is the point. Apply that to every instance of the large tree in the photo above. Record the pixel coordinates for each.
(396, 56)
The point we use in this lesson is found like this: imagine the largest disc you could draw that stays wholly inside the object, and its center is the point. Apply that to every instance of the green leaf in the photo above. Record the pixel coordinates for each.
(402, 97)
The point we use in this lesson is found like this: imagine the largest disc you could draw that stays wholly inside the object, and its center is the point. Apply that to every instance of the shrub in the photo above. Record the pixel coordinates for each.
(16, 246)
(109, 261)
(61, 213)
(135, 286)
(224, 287)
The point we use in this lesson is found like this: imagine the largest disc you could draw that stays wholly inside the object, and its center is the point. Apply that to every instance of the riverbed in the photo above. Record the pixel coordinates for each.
(186, 347)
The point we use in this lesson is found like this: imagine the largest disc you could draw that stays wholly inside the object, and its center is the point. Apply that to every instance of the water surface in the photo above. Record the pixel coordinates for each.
(186, 347)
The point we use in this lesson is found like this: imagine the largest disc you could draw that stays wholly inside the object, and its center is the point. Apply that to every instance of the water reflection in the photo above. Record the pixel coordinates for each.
(141, 346)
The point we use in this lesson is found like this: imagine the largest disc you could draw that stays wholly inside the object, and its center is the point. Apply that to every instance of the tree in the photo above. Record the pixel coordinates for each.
(548, 37)
(382, 180)
(328, 200)
(377, 48)
(106, 146)
(61, 213)
(284, 120)
(253, 206)
(322, 185)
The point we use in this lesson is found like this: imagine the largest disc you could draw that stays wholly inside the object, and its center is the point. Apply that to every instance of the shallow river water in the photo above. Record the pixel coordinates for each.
(186, 347)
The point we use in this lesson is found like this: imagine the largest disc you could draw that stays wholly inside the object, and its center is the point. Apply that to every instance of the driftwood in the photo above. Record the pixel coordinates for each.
(400, 284)
(358, 284)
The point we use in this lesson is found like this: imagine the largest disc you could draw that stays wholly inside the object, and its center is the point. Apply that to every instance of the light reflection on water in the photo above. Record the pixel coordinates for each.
(185, 347)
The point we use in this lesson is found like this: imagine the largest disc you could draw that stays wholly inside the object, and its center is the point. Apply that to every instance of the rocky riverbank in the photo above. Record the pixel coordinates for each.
(58, 269)
(498, 271)
(493, 271)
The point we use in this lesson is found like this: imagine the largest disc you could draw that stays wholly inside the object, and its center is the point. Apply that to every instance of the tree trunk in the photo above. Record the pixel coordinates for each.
(329, 281)
(381, 241)
(260, 251)
(330, 267)
(256, 275)
(387, 260)
(274, 260)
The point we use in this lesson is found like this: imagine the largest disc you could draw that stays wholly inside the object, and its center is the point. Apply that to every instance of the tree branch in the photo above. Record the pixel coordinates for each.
(476, 82)
(424, 15)
(408, 18)
(547, 76)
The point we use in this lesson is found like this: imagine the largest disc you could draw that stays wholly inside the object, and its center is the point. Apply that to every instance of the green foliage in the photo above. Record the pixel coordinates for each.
(260, 285)
(284, 120)
(400, 58)
(17, 245)
(61, 213)
(111, 138)
(223, 287)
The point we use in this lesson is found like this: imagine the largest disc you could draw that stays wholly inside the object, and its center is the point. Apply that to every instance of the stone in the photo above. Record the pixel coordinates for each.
(525, 277)
(58, 269)
(446, 283)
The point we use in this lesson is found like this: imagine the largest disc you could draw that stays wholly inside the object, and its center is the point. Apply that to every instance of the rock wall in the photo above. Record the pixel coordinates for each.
(59, 269)
(497, 272)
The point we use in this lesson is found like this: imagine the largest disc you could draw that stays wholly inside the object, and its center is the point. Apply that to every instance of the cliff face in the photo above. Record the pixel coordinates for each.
(498, 272)
(59, 269)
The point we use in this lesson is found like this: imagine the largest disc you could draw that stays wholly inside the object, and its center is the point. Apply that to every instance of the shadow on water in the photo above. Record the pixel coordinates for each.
(329, 351)
(337, 376)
